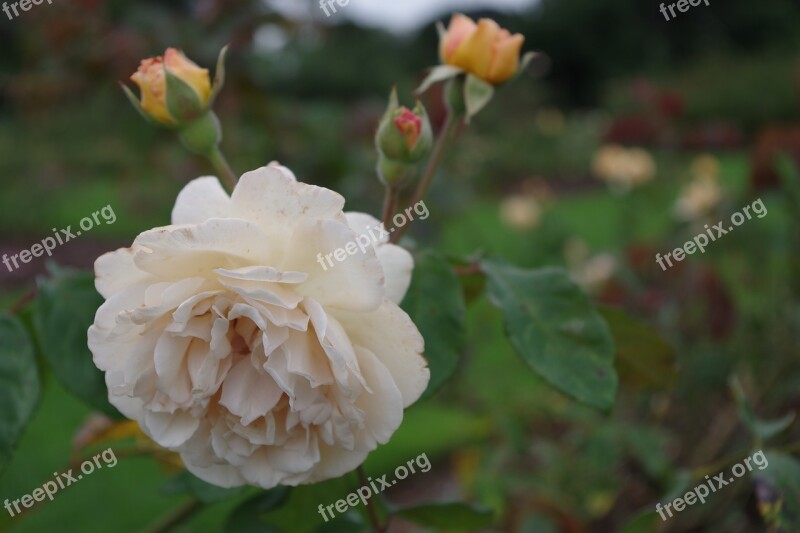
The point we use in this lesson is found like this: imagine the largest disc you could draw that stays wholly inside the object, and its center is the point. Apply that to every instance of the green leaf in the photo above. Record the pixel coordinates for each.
(455, 427)
(183, 102)
(247, 517)
(762, 430)
(348, 523)
(65, 309)
(644, 360)
(20, 387)
(297, 513)
(449, 516)
(202, 491)
(477, 94)
(435, 302)
(437, 74)
(778, 491)
(789, 175)
(554, 327)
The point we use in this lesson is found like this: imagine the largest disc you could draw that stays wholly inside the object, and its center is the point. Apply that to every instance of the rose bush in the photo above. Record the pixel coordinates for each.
(223, 337)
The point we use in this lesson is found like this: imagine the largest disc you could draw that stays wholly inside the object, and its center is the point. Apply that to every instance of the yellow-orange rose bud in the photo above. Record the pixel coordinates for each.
(484, 49)
(152, 82)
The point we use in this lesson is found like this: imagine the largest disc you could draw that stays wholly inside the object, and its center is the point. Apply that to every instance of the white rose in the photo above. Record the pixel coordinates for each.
(227, 341)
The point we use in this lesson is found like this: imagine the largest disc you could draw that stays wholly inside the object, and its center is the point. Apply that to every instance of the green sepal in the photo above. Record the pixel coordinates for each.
(183, 102)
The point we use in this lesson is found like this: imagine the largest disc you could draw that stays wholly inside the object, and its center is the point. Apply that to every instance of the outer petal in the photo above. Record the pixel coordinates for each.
(394, 339)
(506, 59)
(175, 252)
(397, 263)
(116, 271)
(271, 198)
(197, 78)
(398, 266)
(461, 27)
(475, 54)
(200, 200)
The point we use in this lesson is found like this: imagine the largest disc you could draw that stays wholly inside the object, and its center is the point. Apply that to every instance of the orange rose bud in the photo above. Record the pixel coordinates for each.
(151, 77)
(485, 50)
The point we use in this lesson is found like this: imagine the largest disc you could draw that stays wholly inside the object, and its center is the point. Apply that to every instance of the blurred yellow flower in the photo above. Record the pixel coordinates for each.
(484, 49)
(623, 168)
(152, 81)
(703, 192)
(698, 198)
(705, 165)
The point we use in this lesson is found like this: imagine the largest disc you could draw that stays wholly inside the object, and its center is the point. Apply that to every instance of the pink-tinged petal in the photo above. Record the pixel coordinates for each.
(170, 430)
(249, 392)
(461, 27)
(200, 200)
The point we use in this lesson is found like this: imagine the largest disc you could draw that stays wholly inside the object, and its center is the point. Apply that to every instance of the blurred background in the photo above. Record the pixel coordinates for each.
(626, 136)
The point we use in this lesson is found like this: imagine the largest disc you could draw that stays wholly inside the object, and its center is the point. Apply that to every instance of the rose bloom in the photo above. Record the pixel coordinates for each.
(484, 49)
(152, 82)
(225, 339)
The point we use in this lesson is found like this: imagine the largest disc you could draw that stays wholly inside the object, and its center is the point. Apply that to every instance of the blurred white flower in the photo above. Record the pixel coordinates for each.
(225, 340)
(623, 168)
(590, 272)
(521, 212)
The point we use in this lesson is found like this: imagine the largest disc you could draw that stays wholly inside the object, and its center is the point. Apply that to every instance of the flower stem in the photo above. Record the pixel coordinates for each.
(389, 205)
(430, 170)
(373, 516)
(222, 167)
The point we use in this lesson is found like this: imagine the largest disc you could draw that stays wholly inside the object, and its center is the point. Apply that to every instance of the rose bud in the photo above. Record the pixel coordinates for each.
(404, 134)
(174, 90)
(484, 49)
(403, 138)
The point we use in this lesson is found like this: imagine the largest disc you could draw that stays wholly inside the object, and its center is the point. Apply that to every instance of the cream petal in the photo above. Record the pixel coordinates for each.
(383, 408)
(177, 252)
(355, 284)
(398, 266)
(200, 200)
(272, 198)
(394, 339)
(248, 392)
(364, 224)
(170, 430)
(116, 271)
